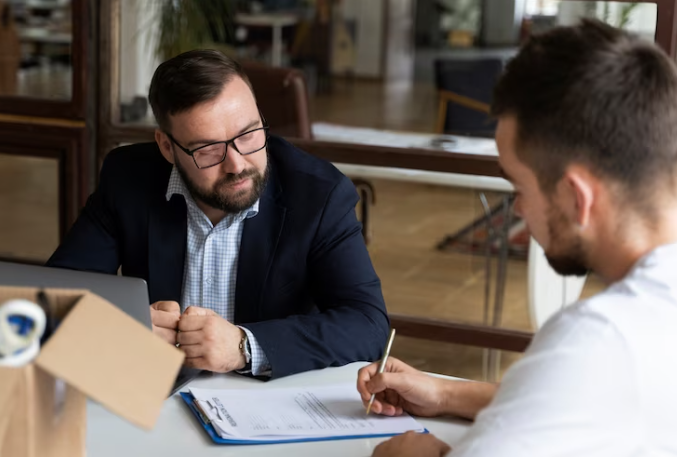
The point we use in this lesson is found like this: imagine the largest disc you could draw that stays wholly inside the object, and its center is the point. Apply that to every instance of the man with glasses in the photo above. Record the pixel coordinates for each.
(251, 249)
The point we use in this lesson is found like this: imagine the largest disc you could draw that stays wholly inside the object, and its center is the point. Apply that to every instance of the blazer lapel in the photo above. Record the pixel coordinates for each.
(167, 237)
(260, 237)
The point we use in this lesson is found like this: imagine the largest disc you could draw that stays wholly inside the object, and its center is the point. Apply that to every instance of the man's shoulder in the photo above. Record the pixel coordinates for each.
(142, 161)
(135, 172)
(298, 169)
(139, 156)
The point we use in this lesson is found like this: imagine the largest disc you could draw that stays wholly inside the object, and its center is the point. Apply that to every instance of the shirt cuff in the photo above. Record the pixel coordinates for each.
(260, 365)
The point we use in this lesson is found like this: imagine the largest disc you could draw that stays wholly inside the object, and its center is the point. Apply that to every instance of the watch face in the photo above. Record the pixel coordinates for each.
(245, 349)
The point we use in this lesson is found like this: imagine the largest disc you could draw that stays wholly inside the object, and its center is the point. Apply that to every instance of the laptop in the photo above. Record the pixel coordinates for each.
(128, 294)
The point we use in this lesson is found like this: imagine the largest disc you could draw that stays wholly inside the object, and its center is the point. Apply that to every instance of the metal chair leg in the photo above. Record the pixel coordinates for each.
(367, 197)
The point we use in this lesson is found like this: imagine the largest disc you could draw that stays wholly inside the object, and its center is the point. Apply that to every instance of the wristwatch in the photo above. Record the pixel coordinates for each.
(246, 351)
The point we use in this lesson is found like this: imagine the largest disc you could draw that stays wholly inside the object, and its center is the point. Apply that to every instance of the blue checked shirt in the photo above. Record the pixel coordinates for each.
(210, 271)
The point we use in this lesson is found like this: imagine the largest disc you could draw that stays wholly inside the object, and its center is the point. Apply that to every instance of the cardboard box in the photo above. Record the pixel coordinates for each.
(97, 351)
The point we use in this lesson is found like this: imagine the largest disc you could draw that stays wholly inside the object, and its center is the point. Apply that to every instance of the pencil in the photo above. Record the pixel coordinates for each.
(382, 365)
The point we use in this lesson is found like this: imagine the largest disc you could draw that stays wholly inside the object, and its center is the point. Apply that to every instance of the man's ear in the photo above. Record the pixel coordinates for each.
(579, 194)
(165, 145)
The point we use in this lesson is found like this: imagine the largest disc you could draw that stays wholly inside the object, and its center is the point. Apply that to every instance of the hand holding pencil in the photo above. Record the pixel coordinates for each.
(390, 387)
(382, 364)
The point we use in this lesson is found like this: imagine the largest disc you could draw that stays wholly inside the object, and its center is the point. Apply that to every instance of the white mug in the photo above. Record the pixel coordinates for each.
(16, 349)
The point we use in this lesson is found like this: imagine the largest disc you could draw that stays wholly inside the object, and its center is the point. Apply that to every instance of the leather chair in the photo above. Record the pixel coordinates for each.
(282, 97)
(283, 100)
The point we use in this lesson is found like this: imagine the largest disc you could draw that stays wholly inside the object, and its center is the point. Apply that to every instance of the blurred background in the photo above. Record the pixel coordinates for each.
(395, 92)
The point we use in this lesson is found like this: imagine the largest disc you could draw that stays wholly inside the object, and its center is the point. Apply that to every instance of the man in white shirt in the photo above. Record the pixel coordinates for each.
(587, 134)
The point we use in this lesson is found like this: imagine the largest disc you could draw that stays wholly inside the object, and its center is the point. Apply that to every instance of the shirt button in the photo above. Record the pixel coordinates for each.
(209, 280)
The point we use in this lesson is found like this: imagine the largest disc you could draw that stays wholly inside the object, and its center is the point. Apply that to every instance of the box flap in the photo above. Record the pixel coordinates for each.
(8, 379)
(113, 359)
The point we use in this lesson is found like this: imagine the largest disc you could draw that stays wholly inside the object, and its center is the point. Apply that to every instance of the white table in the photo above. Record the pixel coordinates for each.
(41, 35)
(396, 139)
(177, 433)
(276, 22)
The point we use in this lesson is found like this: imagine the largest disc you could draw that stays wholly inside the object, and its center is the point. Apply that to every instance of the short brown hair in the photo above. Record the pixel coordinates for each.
(596, 95)
(189, 79)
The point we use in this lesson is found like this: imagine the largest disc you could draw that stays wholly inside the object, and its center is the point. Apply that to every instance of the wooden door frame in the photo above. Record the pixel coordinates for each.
(76, 107)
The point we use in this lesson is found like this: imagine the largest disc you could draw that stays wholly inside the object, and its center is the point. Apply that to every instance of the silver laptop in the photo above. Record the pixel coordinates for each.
(128, 294)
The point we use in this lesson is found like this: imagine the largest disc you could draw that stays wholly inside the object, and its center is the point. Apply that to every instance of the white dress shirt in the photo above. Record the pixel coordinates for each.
(210, 269)
(600, 378)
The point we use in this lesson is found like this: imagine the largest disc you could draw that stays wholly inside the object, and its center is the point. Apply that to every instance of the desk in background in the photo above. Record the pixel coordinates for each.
(276, 22)
(395, 139)
(177, 433)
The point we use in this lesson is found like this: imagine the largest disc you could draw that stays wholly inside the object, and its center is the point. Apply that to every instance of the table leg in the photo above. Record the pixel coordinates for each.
(501, 277)
(276, 52)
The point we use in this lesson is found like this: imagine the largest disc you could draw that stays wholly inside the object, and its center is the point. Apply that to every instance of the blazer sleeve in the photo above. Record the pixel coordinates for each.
(92, 242)
(352, 324)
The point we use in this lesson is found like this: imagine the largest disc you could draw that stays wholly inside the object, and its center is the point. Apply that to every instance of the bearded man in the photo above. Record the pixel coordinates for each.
(251, 249)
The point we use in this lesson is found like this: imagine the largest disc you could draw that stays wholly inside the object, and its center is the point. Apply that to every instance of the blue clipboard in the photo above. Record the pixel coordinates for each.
(211, 431)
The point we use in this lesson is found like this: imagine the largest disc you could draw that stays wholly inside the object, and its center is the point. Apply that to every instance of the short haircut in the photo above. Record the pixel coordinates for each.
(189, 79)
(595, 95)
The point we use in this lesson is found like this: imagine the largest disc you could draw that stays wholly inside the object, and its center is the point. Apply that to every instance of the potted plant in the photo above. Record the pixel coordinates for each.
(183, 25)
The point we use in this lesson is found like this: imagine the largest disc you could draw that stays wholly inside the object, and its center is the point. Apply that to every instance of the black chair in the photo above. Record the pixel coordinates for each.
(465, 87)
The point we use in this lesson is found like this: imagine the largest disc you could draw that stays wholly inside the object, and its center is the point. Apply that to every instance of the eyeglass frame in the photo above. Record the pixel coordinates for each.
(192, 152)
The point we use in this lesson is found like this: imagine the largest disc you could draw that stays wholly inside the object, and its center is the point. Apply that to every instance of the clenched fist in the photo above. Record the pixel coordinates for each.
(165, 317)
(210, 341)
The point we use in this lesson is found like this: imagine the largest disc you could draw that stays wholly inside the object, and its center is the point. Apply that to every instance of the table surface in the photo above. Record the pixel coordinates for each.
(266, 19)
(401, 139)
(40, 34)
(177, 432)
(451, 143)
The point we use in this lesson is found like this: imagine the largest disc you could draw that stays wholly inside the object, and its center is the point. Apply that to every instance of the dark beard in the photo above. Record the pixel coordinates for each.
(568, 265)
(571, 263)
(228, 203)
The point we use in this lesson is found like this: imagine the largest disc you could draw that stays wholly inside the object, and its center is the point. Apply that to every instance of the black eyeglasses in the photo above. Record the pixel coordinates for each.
(213, 154)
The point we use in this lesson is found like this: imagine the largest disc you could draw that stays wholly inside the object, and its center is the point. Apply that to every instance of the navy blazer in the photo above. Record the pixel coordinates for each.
(306, 287)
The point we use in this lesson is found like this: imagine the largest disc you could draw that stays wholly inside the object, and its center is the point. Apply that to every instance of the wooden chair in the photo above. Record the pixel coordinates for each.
(282, 97)
(465, 87)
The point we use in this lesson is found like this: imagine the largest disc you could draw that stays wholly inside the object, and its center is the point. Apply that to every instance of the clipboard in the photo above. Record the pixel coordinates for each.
(211, 431)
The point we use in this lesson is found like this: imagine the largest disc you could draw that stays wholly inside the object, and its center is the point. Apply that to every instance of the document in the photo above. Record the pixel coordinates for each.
(295, 414)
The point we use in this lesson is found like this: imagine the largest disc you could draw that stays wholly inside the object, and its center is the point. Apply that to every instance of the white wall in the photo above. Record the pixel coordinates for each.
(642, 19)
(137, 42)
(501, 22)
(370, 27)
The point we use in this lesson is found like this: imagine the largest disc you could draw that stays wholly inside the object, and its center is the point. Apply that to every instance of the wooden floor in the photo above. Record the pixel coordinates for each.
(408, 221)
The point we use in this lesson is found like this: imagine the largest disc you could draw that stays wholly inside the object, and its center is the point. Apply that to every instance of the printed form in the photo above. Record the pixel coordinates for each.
(295, 413)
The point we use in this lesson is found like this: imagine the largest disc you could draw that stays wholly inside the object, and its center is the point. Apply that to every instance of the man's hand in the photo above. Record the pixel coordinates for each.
(412, 444)
(165, 318)
(401, 388)
(210, 341)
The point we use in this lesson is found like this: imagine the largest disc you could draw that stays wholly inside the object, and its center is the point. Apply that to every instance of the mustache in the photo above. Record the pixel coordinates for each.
(231, 177)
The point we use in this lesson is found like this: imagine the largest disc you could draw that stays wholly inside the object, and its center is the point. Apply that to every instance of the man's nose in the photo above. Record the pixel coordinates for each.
(234, 162)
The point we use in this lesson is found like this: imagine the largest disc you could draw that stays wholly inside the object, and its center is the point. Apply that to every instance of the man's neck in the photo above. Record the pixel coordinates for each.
(624, 244)
(213, 214)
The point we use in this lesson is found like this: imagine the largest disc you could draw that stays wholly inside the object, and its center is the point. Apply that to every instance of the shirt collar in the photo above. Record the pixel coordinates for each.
(177, 186)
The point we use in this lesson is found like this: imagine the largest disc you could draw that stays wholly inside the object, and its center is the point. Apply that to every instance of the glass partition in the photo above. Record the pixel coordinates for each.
(35, 49)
